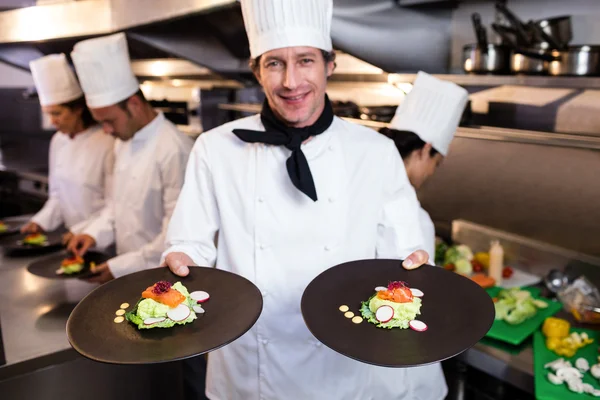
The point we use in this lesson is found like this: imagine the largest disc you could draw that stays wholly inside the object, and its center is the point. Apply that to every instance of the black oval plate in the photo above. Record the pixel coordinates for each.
(234, 306)
(457, 311)
(46, 267)
(14, 245)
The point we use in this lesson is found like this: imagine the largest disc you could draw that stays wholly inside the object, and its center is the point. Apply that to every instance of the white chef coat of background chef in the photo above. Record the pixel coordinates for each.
(274, 235)
(149, 168)
(432, 111)
(80, 168)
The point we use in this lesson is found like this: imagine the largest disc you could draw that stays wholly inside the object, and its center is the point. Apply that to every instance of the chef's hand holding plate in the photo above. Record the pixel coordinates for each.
(31, 227)
(80, 244)
(415, 260)
(178, 263)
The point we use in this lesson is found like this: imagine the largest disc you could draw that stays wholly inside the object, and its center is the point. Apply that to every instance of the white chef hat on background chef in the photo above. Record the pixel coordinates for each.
(104, 70)
(432, 110)
(274, 24)
(54, 80)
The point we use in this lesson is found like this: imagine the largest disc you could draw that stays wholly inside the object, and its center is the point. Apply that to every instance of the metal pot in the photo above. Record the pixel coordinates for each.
(575, 61)
(528, 62)
(494, 59)
(558, 29)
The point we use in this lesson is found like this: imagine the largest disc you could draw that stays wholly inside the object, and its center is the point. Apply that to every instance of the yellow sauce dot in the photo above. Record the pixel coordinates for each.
(124, 305)
(344, 308)
(357, 319)
(118, 320)
(120, 312)
(349, 314)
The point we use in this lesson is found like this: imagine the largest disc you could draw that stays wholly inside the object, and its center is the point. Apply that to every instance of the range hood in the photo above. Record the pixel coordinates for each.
(207, 37)
(207, 33)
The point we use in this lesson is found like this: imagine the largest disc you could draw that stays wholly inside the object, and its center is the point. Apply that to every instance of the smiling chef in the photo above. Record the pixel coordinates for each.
(289, 193)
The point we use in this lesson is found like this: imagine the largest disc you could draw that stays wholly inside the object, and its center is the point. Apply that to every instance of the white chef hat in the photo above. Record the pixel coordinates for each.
(54, 80)
(274, 24)
(104, 70)
(432, 110)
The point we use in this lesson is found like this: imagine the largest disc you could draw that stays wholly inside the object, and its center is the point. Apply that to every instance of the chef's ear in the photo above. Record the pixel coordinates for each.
(427, 150)
(255, 68)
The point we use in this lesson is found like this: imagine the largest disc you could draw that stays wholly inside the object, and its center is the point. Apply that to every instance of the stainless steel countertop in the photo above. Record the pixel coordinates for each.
(34, 310)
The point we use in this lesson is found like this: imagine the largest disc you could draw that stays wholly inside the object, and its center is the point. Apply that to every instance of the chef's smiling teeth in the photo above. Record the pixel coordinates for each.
(294, 98)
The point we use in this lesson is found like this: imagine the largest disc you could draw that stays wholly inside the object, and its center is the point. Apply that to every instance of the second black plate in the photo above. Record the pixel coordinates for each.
(457, 311)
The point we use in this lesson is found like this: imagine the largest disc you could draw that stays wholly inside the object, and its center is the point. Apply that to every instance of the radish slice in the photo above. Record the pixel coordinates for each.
(417, 325)
(384, 314)
(416, 292)
(380, 288)
(198, 310)
(179, 313)
(200, 296)
(151, 321)
(59, 271)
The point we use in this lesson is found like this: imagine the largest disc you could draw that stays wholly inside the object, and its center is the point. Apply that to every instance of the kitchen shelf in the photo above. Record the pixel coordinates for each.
(571, 82)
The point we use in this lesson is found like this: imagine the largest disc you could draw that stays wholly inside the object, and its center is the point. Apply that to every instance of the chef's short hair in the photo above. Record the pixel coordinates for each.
(328, 56)
(406, 141)
(86, 115)
(123, 103)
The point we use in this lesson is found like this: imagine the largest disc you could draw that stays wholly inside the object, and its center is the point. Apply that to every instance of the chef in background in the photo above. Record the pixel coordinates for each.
(81, 156)
(288, 194)
(150, 159)
(422, 129)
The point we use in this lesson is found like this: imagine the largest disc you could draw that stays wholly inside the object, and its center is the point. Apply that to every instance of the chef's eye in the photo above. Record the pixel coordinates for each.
(273, 64)
(306, 61)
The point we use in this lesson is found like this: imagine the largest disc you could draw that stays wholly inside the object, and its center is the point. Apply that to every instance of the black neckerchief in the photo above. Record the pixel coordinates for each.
(279, 134)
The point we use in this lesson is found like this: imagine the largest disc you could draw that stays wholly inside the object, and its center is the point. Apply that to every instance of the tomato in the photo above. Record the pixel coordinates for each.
(477, 266)
(507, 272)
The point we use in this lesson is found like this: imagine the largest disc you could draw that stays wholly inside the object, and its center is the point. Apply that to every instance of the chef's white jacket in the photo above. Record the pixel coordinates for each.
(149, 171)
(79, 179)
(274, 235)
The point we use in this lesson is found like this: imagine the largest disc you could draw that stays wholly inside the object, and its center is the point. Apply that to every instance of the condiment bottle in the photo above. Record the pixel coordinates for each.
(496, 261)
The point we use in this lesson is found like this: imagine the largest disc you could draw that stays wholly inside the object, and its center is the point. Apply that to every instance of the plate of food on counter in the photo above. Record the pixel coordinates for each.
(33, 243)
(566, 361)
(379, 313)
(8, 228)
(154, 316)
(64, 265)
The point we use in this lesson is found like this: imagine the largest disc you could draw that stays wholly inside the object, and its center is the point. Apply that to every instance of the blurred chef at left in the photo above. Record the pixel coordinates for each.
(81, 156)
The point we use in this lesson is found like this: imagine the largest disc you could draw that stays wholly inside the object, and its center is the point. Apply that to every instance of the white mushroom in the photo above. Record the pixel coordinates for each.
(568, 373)
(595, 393)
(595, 371)
(555, 380)
(558, 363)
(582, 364)
(587, 388)
(575, 385)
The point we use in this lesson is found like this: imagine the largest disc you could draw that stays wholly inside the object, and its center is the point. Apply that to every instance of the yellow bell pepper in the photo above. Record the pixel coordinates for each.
(483, 259)
(556, 328)
(553, 343)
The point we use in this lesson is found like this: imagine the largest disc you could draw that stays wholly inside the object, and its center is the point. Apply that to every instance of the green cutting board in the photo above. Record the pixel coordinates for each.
(515, 334)
(544, 390)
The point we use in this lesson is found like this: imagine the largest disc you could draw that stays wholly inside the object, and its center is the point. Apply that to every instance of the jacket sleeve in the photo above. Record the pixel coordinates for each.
(50, 217)
(398, 232)
(172, 171)
(196, 236)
